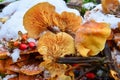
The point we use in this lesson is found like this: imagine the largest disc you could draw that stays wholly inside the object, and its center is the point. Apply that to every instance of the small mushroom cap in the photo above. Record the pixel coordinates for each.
(72, 21)
(67, 21)
(52, 45)
(110, 6)
(53, 68)
(91, 37)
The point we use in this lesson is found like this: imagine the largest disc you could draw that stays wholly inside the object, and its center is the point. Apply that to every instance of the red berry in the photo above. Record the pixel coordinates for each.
(90, 75)
(75, 64)
(32, 45)
(16, 43)
(23, 46)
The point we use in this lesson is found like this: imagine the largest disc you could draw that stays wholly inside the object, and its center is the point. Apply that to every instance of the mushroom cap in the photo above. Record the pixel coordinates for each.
(52, 46)
(67, 21)
(72, 21)
(42, 16)
(38, 18)
(54, 69)
(91, 37)
(110, 6)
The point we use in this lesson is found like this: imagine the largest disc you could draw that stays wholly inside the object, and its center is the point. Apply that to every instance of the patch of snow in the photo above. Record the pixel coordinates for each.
(97, 15)
(56, 29)
(16, 11)
(31, 40)
(30, 67)
(9, 76)
(0, 78)
(10, 9)
(15, 55)
(89, 5)
(0, 24)
(46, 74)
(118, 59)
(1, 45)
(116, 55)
(9, 0)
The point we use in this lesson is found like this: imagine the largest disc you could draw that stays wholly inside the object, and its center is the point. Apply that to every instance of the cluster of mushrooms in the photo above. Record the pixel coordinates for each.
(55, 35)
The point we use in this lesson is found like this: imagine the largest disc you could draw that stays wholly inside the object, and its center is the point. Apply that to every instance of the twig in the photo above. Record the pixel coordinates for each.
(77, 66)
(79, 58)
(70, 60)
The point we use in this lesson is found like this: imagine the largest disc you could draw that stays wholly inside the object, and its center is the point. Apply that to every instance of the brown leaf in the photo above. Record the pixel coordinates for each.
(2, 66)
(31, 69)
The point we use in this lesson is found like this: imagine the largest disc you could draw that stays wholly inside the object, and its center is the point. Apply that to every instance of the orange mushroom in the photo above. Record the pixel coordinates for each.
(42, 17)
(53, 69)
(52, 46)
(72, 21)
(110, 6)
(67, 21)
(38, 18)
(91, 37)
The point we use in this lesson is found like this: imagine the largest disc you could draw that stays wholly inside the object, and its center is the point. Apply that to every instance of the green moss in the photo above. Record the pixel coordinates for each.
(2, 75)
(1, 0)
(66, 1)
(87, 1)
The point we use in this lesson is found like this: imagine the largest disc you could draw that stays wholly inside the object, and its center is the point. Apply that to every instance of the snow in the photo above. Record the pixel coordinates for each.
(15, 55)
(31, 40)
(16, 10)
(0, 24)
(10, 9)
(88, 5)
(30, 67)
(118, 59)
(9, 0)
(46, 74)
(97, 15)
(8, 77)
(0, 78)
(116, 55)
